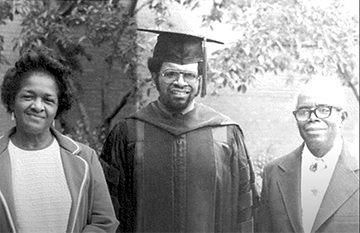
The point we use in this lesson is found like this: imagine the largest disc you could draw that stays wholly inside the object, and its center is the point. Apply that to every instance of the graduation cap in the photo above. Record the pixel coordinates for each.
(182, 48)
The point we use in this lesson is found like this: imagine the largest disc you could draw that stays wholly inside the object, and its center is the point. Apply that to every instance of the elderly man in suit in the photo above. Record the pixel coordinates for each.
(315, 188)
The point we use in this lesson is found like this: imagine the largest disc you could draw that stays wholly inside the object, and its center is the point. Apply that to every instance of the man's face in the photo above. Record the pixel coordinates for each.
(176, 91)
(317, 131)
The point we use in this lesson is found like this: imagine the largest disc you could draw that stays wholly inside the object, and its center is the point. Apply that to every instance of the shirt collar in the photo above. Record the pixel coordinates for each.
(329, 158)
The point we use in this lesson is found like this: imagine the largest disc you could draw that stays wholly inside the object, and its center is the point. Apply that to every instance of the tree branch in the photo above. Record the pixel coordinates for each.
(347, 78)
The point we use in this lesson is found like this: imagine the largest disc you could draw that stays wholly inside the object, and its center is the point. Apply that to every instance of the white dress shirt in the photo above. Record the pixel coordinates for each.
(315, 183)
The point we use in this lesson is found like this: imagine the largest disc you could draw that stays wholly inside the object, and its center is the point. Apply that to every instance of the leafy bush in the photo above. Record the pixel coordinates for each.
(259, 162)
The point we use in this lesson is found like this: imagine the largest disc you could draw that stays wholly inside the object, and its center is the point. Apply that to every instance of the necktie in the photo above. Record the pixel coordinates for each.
(318, 165)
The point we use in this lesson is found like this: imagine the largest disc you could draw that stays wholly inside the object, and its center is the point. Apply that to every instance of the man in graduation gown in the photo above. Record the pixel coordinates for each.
(176, 165)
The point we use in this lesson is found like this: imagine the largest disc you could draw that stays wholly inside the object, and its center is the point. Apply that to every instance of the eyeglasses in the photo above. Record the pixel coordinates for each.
(170, 76)
(321, 112)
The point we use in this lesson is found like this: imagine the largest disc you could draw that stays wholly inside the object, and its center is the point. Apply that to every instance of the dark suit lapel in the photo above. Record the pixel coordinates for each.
(335, 196)
(289, 185)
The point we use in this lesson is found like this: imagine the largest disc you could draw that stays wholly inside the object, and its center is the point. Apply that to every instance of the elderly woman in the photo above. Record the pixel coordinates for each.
(48, 182)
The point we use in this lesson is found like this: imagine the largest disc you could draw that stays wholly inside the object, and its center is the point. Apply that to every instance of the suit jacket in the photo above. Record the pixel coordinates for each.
(280, 209)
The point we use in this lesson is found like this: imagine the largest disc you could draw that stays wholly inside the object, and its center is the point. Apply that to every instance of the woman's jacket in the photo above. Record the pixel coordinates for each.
(91, 209)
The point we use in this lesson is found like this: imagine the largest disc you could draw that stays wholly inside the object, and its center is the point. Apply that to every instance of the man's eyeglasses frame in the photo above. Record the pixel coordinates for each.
(172, 75)
(316, 111)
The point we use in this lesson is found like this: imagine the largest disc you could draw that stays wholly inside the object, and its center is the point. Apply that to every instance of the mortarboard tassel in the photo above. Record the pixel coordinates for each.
(204, 70)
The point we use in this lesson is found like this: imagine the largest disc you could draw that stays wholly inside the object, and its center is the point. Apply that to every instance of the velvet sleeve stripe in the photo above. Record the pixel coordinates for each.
(246, 200)
(139, 172)
(247, 226)
(244, 174)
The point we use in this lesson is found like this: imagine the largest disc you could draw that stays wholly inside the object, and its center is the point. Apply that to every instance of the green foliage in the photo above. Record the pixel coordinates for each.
(69, 27)
(44, 25)
(298, 38)
(5, 14)
(259, 161)
(81, 134)
(262, 158)
(287, 37)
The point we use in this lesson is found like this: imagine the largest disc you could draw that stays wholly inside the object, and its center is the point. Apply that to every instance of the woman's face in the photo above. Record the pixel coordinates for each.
(36, 104)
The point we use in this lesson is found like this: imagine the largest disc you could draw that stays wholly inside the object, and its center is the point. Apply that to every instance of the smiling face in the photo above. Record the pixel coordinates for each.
(177, 95)
(317, 132)
(36, 104)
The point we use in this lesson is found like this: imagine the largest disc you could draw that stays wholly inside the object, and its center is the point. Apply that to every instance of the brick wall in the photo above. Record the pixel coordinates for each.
(9, 31)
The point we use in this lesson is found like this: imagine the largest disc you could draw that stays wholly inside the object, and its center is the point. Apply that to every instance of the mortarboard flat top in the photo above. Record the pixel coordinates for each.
(179, 47)
(176, 33)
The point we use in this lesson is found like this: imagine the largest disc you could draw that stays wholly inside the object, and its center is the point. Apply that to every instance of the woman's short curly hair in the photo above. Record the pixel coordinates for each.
(32, 60)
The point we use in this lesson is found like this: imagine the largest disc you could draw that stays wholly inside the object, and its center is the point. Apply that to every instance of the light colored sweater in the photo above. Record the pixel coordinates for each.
(41, 195)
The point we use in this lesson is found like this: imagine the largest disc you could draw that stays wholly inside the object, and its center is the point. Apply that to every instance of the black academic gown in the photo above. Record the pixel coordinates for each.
(183, 173)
